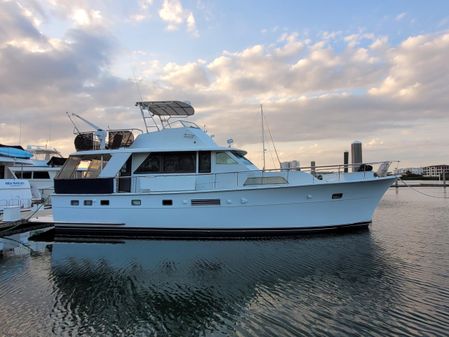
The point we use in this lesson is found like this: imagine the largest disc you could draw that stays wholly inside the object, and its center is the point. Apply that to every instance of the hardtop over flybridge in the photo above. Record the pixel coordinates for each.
(174, 180)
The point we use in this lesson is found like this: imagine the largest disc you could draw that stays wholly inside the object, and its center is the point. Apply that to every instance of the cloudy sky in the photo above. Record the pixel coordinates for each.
(326, 72)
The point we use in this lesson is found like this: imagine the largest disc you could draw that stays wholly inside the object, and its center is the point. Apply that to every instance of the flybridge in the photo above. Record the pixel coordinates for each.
(163, 115)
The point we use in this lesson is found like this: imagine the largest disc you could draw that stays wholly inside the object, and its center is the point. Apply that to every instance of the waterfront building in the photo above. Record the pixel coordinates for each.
(435, 170)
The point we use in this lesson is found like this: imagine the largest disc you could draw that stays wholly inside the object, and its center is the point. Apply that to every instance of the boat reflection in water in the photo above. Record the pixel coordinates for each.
(280, 287)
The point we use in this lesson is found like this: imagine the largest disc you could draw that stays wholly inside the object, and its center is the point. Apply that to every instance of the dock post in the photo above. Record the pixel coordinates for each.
(356, 155)
(312, 168)
(345, 161)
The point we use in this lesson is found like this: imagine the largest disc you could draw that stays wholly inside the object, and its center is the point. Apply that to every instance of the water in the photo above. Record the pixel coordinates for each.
(392, 279)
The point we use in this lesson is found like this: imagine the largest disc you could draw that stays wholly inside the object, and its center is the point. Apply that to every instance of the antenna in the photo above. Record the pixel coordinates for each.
(263, 138)
(49, 136)
(274, 145)
(73, 123)
(140, 95)
(20, 130)
(142, 112)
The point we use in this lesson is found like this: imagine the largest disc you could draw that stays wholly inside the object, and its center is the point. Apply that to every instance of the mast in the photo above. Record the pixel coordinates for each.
(263, 138)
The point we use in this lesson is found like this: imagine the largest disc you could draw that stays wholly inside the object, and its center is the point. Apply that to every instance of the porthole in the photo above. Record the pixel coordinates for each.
(337, 195)
(136, 202)
(88, 203)
(74, 202)
(167, 202)
(104, 202)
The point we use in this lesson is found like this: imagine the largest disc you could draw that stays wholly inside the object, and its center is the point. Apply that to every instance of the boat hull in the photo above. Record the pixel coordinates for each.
(15, 193)
(246, 212)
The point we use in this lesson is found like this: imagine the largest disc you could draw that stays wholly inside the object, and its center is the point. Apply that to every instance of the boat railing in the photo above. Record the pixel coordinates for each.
(182, 123)
(22, 203)
(116, 138)
(380, 168)
(254, 178)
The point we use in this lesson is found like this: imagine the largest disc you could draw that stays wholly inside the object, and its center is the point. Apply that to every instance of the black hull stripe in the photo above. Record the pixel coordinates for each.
(73, 231)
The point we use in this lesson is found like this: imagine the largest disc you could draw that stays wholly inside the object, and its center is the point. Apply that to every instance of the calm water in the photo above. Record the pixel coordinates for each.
(392, 279)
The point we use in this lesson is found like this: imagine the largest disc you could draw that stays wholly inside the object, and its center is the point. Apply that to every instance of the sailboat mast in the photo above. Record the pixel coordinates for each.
(263, 137)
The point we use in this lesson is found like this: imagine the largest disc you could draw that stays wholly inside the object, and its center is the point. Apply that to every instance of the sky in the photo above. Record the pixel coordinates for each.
(326, 72)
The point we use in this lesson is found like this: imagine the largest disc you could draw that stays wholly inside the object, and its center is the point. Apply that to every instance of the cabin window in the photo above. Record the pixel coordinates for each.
(167, 202)
(41, 175)
(337, 195)
(80, 167)
(224, 159)
(74, 202)
(241, 156)
(168, 162)
(124, 181)
(204, 162)
(104, 202)
(88, 202)
(136, 202)
(23, 174)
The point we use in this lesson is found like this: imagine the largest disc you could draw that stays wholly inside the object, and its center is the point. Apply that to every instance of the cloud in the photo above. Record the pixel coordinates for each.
(400, 16)
(69, 74)
(173, 13)
(327, 91)
(142, 11)
(418, 71)
(83, 17)
(319, 93)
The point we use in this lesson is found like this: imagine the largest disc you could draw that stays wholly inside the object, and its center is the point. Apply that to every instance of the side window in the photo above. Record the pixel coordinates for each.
(170, 162)
(204, 162)
(224, 159)
(26, 174)
(151, 165)
(41, 175)
(179, 162)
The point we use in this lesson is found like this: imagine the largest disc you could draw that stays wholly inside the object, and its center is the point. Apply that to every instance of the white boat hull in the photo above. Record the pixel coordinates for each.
(256, 210)
(15, 193)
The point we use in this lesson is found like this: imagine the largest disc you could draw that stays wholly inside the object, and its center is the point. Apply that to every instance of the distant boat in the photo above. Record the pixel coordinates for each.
(176, 181)
(14, 152)
(45, 163)
(13, 192)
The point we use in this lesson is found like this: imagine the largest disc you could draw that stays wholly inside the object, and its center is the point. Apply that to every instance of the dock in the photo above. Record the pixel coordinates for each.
(39, 220)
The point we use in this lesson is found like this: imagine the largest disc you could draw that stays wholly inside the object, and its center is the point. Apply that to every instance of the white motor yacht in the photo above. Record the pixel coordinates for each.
(176, 181)
(13, 192)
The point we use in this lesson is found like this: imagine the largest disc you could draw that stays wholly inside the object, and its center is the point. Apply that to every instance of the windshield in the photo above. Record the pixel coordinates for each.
(240, 155)
(79, 167)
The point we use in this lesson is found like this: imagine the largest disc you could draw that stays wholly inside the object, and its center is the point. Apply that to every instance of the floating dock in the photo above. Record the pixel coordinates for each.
(29, 221)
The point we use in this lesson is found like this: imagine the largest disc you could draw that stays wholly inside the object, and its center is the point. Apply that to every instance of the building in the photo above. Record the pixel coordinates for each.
(410, 170)
(435, 170)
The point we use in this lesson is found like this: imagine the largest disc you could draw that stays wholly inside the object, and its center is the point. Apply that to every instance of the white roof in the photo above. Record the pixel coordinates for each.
(167, 108)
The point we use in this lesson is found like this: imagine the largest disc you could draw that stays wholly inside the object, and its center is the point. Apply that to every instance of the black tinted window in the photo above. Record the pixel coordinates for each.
(41, 175)
(24, 174)
(170, 162)
(204, 162)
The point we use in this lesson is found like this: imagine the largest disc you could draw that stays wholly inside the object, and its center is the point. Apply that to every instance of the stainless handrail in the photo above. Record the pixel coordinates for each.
(239, 176)
(238, 179)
